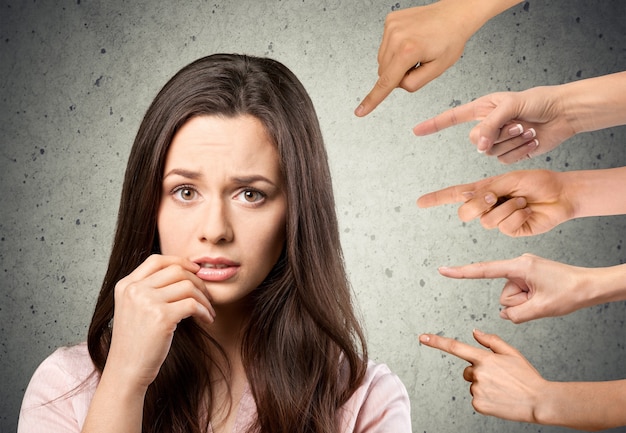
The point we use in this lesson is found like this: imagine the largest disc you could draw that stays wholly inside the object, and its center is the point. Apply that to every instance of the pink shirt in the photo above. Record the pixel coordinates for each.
(54, 404)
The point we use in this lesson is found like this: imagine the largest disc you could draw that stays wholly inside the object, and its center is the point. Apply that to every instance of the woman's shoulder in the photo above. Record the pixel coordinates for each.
(380, 382)
(380, 404)
(59, 392)
(71, 362)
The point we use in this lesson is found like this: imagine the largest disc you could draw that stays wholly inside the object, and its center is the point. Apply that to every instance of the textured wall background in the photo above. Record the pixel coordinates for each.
(76, 78)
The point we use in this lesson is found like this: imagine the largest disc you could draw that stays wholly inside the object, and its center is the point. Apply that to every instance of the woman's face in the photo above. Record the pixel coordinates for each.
(223, 203)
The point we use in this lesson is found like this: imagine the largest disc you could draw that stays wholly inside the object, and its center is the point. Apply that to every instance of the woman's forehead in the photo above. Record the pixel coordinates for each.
(237, 144)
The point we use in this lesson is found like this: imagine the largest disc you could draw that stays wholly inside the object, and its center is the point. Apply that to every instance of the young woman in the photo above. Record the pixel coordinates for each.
(225, 307)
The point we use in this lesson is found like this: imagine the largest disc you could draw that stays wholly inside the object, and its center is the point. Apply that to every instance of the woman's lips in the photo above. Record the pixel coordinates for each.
(217, 269)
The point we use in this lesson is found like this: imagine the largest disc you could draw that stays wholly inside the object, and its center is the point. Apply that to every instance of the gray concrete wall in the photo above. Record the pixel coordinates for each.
(77, 76)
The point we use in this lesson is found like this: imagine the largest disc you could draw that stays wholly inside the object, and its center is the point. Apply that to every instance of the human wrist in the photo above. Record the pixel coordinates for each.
(473, 14)
(552, 404)
(115, 406)
(123, 382)
(585, 192)
(606, 284)
(576, 106)
(594, 192)
(594, 103)
(587, 288)
(570, 194)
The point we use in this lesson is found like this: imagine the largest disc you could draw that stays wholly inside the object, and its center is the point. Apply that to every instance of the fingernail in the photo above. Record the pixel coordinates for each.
(516, 130)
(534, 143)
(490, 199)
(478, 332)
(468, 195)
(521, 202)
(424, 338)
(483, 144)
(359, 110)
(529, 133)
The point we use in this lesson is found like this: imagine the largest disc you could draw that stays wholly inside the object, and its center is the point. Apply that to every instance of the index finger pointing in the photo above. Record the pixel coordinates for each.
(461, 350)
(388, 80)
(480, 270)
(454, 116)
(451, 194)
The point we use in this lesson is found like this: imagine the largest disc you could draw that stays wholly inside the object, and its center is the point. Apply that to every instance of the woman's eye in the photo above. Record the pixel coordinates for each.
(251, 196)
(185, 194)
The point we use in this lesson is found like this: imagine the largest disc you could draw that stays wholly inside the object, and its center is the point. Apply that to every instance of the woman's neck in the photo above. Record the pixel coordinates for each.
(227, 330)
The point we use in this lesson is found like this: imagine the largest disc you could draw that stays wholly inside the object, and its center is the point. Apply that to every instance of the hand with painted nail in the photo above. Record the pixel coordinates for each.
(421, 36)
(536, 287)
(517, 125)
(149, 305)
(505, 384)
(518, 203)
(513, 125)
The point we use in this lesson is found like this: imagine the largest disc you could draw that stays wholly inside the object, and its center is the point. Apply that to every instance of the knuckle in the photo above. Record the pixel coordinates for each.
(464, 214)
(133, 291)
(454, 120)
(478, 405)
(177, 269)
(452, 346)
(392, 29)
(119, 288)
(410, 85)
(407, 49)
(153, 258)
(478, 375)
(383, 82)
(190, 306)
(514, 317)
(125, 288)
(527, 260)
(487, 223)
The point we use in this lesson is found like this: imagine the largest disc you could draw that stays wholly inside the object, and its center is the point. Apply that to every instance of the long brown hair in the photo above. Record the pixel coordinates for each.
(303, 348)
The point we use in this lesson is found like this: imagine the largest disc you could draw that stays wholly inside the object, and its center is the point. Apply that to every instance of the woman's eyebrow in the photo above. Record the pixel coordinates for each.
(242, 180)
(251, 179)
(183, 173)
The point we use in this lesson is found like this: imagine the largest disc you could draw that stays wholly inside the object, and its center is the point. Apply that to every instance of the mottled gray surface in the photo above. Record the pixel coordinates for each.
(76, 78)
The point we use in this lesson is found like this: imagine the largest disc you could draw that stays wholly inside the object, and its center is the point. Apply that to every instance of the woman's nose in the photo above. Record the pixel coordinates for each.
(216, 226)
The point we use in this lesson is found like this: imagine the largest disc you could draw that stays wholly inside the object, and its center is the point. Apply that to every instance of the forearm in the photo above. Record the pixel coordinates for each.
(115, 407)
(602, 285)
(594, 103)
(475, 13)
(583, 405)
(596, 192)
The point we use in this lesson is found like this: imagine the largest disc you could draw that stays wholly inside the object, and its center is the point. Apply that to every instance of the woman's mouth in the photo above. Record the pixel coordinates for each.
(213, 266)
(216, 270)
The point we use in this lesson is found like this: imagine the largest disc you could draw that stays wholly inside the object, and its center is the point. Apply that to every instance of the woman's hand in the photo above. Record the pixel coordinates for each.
(517, 125)
(149, 304)
(513, 125)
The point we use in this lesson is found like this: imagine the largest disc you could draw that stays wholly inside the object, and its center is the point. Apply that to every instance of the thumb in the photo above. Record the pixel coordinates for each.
(495, 343)
(418, 77)
(489, 128)
(511, 184)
